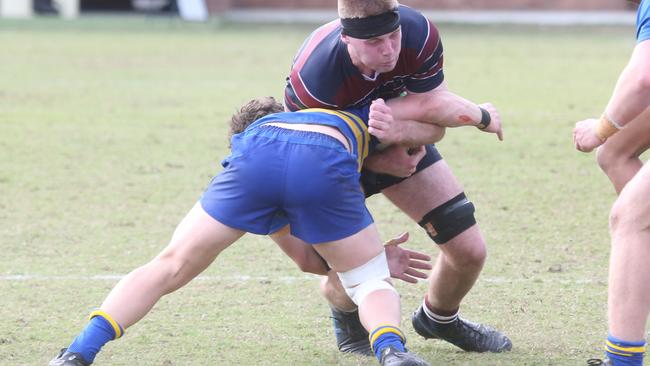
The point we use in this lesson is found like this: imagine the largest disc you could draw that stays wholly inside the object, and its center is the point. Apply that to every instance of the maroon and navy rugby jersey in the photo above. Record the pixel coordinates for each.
(323, 76)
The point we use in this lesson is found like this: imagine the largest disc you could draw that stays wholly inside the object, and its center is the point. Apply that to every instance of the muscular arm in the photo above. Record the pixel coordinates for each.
(630, 98)
(632, 93)
(416, 133)
(439, 106)
(420, 118)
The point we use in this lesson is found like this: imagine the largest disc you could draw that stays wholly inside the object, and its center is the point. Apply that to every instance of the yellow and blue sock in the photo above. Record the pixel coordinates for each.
(384, 336)
(624, 353)
(100, 330)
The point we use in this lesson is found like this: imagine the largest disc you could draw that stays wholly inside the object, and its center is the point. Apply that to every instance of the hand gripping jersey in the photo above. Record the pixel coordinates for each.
(323, 75)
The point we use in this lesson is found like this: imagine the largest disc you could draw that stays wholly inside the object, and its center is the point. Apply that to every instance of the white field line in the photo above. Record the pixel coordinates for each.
(284, 279)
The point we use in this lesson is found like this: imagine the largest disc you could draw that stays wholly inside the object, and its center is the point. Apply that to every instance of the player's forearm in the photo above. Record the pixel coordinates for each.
(632, 93)
(440, 107)
(450, 110)
(415, 133)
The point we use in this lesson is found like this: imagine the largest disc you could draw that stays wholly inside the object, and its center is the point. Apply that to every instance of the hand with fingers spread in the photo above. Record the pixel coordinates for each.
(405, 264)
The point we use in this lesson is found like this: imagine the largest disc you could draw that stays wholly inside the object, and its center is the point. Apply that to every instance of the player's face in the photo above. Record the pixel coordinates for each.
(379, 53)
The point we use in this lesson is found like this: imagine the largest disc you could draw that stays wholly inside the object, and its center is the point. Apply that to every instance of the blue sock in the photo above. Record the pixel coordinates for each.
(623, 353)
(384, 336)
(97, 333)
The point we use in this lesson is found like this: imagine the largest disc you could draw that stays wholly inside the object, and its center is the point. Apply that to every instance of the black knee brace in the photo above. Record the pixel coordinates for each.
(451, 218)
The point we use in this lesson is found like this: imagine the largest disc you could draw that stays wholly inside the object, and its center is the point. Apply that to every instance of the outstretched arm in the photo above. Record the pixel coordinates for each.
(415, 114)
(630, 98)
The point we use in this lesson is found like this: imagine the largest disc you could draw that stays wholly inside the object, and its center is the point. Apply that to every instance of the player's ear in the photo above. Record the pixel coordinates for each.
(345, 39)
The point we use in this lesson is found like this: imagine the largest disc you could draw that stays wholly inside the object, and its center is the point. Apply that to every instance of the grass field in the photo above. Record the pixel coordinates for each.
(110, 128)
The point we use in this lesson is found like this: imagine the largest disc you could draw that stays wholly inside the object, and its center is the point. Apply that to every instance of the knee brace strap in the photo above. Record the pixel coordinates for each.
(359, 282)
(446, 221)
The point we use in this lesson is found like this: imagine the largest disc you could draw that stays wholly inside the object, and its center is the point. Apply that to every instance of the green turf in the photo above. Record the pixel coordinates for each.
(111, 127)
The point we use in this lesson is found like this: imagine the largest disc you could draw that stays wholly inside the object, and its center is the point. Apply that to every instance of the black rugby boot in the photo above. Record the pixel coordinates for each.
(392, 357)
(66, 358)
(598, 362)
(468, 336)
(351, 336)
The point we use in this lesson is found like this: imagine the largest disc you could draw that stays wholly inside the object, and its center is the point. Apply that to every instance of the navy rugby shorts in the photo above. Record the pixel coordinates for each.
(374, 183)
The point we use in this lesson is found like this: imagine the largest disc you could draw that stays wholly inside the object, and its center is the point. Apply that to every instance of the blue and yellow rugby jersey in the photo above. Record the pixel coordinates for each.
(643, 21)
(351, 122)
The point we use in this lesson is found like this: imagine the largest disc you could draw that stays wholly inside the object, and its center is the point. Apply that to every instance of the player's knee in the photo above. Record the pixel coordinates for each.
(330, 287)
(450, 219)
(335, 294)
(607, 159)
(366, 279)
(626, 215)
(473, 256)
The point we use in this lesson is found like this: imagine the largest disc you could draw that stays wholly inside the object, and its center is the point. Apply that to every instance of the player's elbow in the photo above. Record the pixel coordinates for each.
(438, 134)
(311, 264)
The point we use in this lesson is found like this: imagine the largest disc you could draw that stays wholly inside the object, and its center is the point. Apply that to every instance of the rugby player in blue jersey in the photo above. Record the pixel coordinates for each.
(623, 130)
(379, 49)
(301, 168)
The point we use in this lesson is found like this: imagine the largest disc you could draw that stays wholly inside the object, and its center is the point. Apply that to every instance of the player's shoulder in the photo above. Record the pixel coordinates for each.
(417, 29)
(322, 41)
(319, 51)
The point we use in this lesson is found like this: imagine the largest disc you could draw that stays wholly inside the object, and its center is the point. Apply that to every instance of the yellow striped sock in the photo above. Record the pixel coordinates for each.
(116, 327)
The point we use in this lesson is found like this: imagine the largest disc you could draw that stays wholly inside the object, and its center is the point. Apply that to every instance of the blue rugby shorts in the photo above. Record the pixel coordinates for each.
(278, 176)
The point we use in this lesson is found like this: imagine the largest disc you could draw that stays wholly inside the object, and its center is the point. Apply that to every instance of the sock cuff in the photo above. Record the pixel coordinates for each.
(620, 342)
(383, 329)
(116, 327)
(442, 319)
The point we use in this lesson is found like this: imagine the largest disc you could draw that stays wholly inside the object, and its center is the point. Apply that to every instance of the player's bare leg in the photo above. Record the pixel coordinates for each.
(459, 263)
(360, 262)
(197, 241)
(629, 276)
(618, 157)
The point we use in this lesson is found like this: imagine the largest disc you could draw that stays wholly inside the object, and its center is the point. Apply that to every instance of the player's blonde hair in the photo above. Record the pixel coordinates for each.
(365, 8)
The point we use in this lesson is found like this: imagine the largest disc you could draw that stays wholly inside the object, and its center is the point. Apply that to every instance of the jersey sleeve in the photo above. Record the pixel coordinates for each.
(643, 22)
(306, 87)
(428, 70)
(297, 94)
